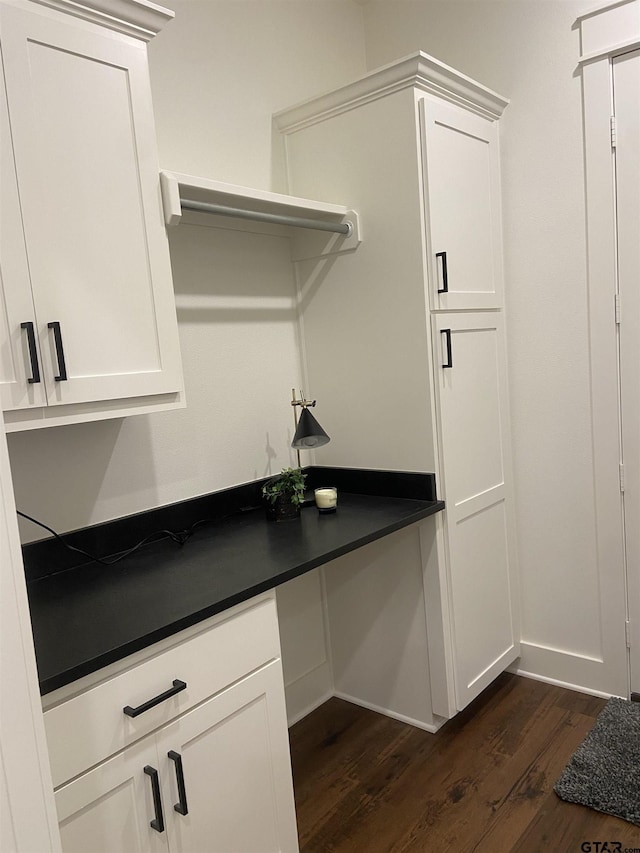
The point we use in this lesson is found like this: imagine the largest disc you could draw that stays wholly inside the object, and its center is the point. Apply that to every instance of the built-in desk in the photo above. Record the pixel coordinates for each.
(88, 616)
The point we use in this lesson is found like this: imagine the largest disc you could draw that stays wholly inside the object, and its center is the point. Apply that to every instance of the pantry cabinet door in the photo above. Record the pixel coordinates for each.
(233, 754)
(462, 200)
(476, 486)
(20, 379)
(110, 808)
(83, 137)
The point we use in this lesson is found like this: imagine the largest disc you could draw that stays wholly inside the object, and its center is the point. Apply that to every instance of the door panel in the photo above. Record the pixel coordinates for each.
(461, 168)
(480, 589)
(474, 434)
(16, 304)
(626, 79)
(473, 408)
(234, 751)
(110, 808)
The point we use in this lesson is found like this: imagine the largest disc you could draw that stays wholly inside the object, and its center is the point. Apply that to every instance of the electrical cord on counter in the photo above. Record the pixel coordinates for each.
(177, 536)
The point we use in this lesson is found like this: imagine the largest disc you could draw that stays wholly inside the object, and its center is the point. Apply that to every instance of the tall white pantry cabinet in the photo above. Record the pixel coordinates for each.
(404, 338)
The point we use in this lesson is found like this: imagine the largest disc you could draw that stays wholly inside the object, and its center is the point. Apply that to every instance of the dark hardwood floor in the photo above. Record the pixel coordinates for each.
(484, 782)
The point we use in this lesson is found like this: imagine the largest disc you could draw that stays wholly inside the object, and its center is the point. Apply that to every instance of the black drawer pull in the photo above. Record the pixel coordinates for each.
(181, 805)
(177, 687)
(33, 353)
(158, 822)
(445, 278)
(57, 336)
(447, 334)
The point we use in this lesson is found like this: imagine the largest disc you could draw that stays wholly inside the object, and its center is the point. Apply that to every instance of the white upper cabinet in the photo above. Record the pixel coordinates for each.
(96, 278)
(462, 178)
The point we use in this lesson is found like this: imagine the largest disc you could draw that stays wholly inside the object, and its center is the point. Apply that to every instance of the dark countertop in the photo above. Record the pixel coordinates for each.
(89, 616)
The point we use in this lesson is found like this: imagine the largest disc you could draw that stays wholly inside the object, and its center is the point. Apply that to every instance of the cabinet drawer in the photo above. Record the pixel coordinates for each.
(89, 727)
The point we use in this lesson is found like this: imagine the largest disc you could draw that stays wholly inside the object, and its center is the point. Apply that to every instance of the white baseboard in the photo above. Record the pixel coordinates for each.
(432, 727)
(556, 683)
(570, 670)
(308, 692)
(551, 666)
(313, 689)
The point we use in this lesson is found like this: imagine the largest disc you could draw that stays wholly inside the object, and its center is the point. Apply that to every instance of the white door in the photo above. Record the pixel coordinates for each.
(83, 137)
(20, 377)
(226, 772)
(476, 486)
(462, 197)
(626, 85)
(111, 808)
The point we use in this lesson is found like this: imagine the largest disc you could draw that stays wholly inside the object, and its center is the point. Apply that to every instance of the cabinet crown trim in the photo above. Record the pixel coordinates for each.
(418, 70)
(138, 18)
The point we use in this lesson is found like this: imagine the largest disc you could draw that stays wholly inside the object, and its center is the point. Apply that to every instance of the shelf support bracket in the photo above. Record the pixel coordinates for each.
(307, 245)
(170, 199)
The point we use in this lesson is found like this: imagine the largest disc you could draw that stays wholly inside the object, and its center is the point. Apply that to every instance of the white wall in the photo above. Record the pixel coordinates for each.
(223, 67)
(218, 72)
(528, 51)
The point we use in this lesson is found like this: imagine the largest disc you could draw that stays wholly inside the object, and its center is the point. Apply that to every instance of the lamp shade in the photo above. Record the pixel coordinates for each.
(309, 433)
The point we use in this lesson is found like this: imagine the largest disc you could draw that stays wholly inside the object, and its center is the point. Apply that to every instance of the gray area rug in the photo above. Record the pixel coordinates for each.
(604, 772)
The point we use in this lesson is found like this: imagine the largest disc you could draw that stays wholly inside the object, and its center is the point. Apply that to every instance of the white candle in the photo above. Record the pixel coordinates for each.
(326, 497)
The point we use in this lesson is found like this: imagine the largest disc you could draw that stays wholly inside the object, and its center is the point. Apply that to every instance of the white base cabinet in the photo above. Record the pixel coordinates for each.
(89, 319)
(234, 773)
(215, 777)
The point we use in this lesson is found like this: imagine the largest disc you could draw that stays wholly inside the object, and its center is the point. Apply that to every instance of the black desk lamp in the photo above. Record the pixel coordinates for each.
(309, 433)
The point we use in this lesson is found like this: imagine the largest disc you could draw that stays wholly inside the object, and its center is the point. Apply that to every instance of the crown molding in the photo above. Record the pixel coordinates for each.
(138, 18)
(419, 71)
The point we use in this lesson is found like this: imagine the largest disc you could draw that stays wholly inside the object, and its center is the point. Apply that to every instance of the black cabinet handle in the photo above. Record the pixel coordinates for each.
(158, 822)
(445, 278)
(181, 805)
(447, 334)
(57, 336)
(177, 687)
(33, 353)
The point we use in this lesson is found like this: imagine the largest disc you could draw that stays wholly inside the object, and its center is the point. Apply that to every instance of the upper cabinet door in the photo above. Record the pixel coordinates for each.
(82, 129)
(462, 199)
(20, 376)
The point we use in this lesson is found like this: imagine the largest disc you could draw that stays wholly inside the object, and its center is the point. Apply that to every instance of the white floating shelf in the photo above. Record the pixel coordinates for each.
(337, 227)
(242, 198)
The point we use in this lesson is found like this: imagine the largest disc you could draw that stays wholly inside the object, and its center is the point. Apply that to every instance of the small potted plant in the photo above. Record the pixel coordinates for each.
(284, 495)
